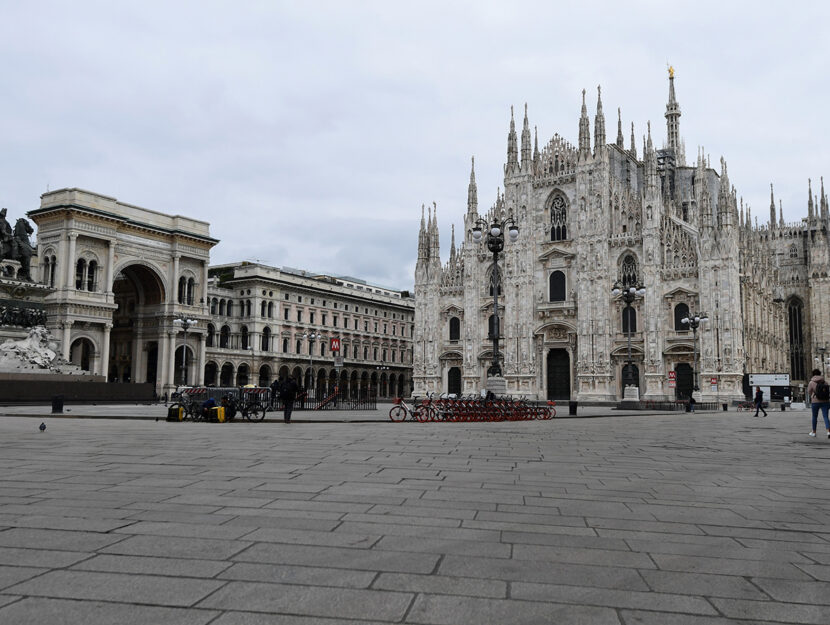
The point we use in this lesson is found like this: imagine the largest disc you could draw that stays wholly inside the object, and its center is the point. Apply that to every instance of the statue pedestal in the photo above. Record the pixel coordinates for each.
(631, 398)
(497, 385)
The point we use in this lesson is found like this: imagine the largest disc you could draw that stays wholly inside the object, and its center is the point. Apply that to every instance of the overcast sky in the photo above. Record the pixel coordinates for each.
(309, 133)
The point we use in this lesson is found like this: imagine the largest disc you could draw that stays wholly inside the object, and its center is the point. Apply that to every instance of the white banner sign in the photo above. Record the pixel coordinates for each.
(769, 379)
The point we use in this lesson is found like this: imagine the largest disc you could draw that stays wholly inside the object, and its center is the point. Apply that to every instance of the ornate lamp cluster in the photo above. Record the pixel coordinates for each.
(694, 321)
(185, 324)
(312, 337)
(629, 294)
(495, 243)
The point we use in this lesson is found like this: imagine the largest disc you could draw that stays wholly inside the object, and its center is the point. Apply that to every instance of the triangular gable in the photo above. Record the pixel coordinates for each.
(555, 252)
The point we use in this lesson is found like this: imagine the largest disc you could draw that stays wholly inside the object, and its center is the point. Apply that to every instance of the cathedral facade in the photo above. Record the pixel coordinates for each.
(592, 217)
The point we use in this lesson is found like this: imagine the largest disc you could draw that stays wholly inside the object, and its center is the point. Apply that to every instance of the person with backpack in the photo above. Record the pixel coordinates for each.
(819, 392)
(759, 401)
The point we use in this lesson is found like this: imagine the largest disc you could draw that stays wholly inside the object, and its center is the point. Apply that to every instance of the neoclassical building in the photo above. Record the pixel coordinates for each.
(120, 277)
(267, 322)
(590, 216)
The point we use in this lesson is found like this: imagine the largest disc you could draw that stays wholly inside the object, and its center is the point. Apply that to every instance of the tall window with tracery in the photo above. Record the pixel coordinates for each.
(558, 219)
(628, 271)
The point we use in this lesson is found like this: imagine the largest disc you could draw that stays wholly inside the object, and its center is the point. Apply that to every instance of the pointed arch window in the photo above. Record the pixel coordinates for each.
(628, 271)
(558, 219)
(557, 286)
(793, 252)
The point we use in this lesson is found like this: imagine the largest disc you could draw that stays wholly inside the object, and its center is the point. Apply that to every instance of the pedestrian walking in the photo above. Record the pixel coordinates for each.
(692, 403)
(288, 395)
(759, 401)
(819, 393)
(276, 387)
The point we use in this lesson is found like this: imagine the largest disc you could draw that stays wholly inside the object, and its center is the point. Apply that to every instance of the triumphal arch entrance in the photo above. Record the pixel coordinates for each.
(121, 276)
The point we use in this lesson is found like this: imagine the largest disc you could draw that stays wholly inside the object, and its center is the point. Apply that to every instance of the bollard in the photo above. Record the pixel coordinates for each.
(57, 404)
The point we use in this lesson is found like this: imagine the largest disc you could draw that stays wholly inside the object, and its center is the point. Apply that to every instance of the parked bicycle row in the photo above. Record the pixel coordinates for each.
(468, 409)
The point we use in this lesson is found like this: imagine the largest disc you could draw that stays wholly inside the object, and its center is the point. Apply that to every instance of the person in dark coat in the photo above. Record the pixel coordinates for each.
(288, 395)
(759, 401)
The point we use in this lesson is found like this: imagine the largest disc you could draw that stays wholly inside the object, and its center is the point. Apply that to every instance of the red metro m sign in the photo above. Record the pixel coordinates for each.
(335, 344)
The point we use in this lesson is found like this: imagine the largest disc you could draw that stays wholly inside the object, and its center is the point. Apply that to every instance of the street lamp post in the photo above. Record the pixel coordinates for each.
(185, 324)
(311, 336)
(694, 321)
(495, 243)
(629, 294)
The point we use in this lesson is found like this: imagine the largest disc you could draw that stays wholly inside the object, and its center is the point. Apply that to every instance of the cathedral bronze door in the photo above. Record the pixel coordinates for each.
(685, 380)
(559, 374)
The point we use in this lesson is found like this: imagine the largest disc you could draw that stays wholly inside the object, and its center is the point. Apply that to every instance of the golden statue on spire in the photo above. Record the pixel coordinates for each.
(671, 71)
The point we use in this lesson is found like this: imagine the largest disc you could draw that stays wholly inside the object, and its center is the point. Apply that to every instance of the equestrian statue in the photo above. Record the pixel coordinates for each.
(15, 244)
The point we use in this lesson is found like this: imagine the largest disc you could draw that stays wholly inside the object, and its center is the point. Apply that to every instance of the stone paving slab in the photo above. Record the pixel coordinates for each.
(701, 519)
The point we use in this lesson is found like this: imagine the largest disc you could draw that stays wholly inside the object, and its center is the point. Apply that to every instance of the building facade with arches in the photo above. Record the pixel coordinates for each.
(268, 323)
(121, 274)
(593, 214)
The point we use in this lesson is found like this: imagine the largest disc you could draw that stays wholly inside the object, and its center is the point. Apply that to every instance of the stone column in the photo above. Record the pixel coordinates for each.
(174, 280)
(138, 350)
(69, 280)
(105, 351)
(199, 376)
(67, 329)
(170, 367)
(110, 268)
(205, 283)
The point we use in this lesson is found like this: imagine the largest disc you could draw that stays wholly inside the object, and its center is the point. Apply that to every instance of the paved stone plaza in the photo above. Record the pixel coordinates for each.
(637, 519)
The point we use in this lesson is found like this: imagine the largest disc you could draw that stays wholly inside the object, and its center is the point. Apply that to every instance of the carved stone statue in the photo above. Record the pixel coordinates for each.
(5, 236)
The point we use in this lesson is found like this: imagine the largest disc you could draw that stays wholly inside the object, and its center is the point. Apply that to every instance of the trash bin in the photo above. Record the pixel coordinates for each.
(175, 413)
(57, 404)
(572, 408)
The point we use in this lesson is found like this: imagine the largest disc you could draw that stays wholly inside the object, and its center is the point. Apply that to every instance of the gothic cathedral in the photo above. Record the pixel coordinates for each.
(591, 219)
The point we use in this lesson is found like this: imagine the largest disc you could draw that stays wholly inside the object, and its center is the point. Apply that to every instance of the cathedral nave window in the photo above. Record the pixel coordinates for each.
(455, 329)
(681, 311)
(558, 219)
(793, 251)
(628, 271)
(629, 320)
(557, 287)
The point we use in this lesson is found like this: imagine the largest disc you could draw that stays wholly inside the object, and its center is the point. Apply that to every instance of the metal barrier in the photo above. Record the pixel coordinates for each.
(332, 401)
